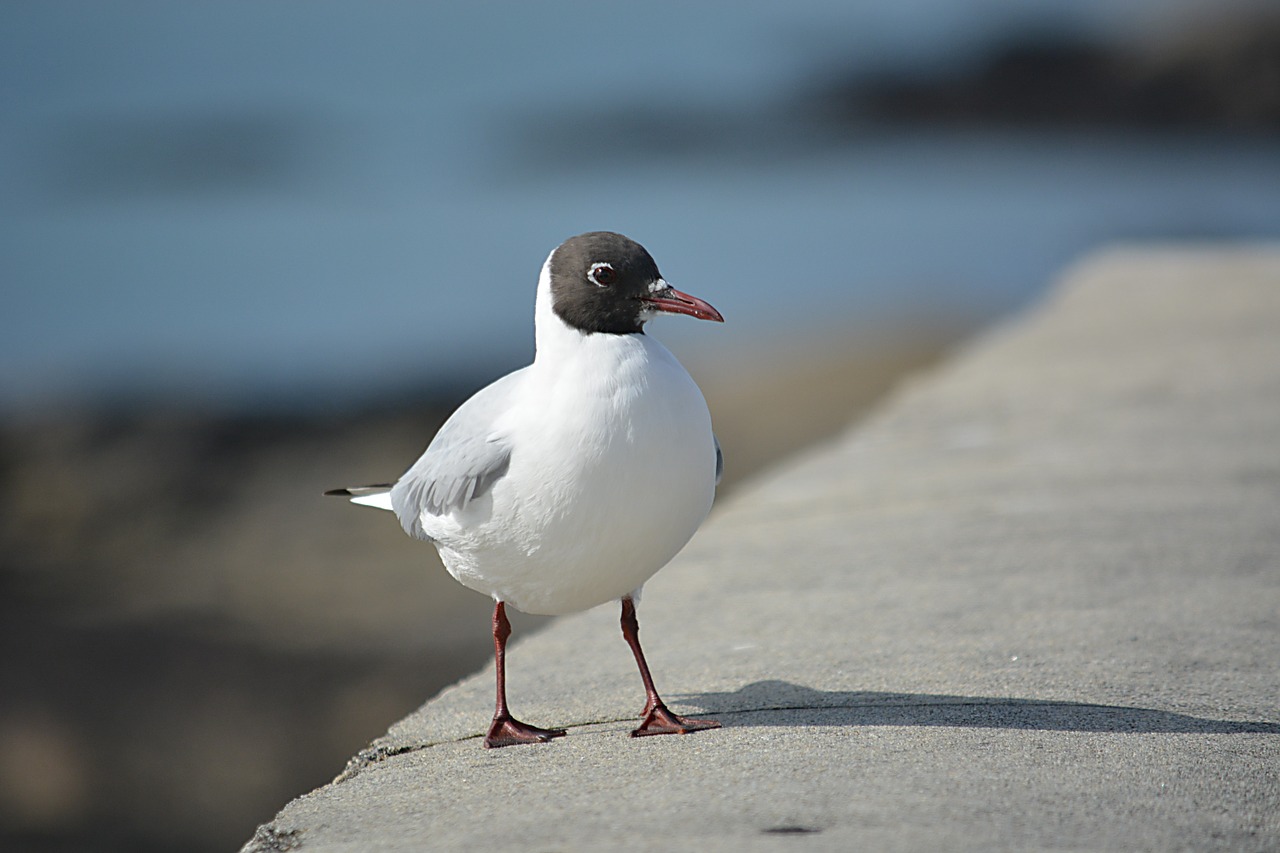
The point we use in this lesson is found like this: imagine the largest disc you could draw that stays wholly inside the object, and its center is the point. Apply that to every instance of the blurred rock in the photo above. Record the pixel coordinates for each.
(1223, 77)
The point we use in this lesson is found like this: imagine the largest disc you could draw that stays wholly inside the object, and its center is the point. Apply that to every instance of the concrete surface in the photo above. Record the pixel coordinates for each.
(1033, 602)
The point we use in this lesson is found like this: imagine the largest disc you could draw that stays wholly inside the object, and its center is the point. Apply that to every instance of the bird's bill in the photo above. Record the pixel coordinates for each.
(672, 301)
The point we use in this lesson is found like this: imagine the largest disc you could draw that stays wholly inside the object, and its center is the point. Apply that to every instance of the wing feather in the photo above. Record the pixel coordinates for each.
(468, 455)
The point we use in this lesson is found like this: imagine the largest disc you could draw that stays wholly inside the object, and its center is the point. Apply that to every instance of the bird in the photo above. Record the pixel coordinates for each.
(568, 483)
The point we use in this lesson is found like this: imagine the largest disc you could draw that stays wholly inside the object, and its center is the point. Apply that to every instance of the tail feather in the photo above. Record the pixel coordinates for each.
(378, 496)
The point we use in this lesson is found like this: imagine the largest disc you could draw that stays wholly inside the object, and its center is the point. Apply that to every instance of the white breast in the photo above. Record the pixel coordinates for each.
(612, 471)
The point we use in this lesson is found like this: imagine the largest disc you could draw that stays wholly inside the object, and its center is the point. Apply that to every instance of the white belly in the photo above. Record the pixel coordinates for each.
(611, 474)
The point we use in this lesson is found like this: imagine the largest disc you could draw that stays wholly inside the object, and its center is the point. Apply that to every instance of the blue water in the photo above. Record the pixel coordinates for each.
(290, 203)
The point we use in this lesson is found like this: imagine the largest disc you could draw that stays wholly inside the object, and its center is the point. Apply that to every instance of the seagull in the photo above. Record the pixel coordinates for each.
(570, 482)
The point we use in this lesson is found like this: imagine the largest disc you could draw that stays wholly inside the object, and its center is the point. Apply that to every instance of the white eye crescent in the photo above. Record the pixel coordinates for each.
(602, 274)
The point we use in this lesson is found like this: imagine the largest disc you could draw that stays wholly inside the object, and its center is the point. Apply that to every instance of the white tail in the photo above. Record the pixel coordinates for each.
(378, 497)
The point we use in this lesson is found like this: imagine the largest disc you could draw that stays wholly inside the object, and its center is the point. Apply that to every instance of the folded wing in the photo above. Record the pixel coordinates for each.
(464, 460)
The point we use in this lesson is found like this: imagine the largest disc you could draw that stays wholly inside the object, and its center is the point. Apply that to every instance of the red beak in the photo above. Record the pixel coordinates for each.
(672, 301)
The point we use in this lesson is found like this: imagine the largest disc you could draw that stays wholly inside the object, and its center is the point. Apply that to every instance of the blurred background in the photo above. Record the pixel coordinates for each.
(251, 251)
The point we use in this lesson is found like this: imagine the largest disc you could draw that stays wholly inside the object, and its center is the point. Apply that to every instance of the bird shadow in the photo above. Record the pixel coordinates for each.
(781, 703)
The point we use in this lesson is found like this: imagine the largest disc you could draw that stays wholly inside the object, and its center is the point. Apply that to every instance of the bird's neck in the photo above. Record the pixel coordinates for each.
(554, 339)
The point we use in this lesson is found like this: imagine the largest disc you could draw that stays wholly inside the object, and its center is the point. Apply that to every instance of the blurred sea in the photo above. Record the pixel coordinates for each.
(317, 204)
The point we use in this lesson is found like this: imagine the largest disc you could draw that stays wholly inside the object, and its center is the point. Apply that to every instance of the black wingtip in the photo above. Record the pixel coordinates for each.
(340, 493)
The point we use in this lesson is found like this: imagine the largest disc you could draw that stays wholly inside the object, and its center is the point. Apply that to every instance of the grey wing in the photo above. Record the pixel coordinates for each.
(463, 461)
(719, 459)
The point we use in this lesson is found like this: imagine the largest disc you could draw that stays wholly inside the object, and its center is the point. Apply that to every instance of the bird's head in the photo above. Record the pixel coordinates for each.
(605, 282)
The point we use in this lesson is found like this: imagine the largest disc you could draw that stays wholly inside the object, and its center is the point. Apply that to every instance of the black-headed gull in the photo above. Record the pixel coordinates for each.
(570, 482)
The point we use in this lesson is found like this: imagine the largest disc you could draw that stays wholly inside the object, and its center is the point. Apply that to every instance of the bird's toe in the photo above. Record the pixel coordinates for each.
(659, 720)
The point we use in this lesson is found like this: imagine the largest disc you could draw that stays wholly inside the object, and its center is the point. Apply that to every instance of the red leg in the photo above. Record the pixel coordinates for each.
(506, 730)
(656, 719)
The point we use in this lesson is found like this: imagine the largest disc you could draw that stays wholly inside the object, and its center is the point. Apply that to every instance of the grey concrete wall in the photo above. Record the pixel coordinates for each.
(1033, 602)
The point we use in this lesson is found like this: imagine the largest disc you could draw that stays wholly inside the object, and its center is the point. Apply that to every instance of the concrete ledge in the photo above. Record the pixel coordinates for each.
(1033, 602)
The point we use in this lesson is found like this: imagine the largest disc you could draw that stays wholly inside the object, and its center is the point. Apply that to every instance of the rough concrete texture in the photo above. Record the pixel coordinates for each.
(1034, 602)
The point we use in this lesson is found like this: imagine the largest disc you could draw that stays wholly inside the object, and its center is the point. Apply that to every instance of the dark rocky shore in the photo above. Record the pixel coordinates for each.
(1223, 77)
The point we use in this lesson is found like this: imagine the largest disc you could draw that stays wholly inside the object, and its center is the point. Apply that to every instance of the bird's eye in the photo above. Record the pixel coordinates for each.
(602, 274)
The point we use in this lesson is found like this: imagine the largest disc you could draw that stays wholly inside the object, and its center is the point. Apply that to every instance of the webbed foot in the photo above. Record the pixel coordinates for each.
(658, 720)
(508, 731)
